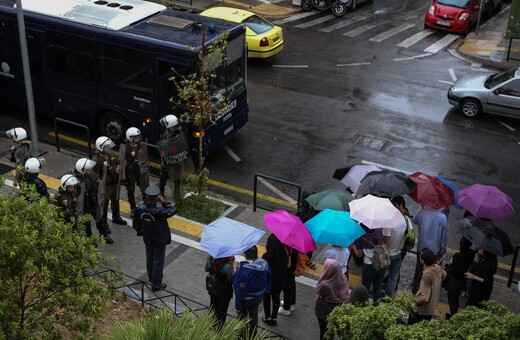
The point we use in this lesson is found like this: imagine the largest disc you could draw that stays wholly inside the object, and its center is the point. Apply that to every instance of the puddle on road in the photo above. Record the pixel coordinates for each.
(396, 104)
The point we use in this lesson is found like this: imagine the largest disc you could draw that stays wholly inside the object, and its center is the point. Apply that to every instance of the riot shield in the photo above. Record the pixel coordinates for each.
(80, 204)
(101, 196)
(144, 171)
(175, 155)
(122, 149)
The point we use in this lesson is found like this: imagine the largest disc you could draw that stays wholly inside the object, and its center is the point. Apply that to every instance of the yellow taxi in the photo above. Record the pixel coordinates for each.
(263, 38)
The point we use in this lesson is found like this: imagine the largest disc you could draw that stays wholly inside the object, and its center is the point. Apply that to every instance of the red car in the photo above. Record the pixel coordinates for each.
(457, 16)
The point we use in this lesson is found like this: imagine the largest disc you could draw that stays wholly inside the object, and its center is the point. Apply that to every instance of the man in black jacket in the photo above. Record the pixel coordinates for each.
(152, 222)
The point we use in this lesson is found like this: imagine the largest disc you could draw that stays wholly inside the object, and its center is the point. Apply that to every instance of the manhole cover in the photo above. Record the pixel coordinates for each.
(370, 142)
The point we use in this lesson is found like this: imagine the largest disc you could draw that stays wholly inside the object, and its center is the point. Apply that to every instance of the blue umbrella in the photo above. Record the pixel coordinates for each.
(226, 237)
(452, 187)
(334, 227)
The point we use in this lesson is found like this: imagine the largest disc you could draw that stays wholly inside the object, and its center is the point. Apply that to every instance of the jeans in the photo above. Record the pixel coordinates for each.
(220, 305)
(372, 278)
(455, 286)
(393, 274)
(250, 309)
(155, 263)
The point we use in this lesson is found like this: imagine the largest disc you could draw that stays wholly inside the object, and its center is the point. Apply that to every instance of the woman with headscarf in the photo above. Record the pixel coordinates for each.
(332, 290)
(482, 278)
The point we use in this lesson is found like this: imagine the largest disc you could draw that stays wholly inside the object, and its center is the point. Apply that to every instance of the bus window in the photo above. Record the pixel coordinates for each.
(126, 68)
(169, 91)
(70, 55)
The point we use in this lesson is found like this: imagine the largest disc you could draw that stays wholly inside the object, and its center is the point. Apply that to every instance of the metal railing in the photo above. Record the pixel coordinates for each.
(513, 267)
(274, 179)
(76, 125)
(177, 304)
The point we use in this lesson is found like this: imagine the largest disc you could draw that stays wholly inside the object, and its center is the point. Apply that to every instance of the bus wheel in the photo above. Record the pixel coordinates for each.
(114, 126)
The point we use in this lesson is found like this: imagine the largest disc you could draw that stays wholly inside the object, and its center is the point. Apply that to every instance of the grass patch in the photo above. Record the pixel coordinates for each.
(202, 209)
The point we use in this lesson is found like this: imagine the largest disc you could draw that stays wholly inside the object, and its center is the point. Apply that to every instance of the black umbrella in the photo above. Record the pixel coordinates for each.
(486, 235)
(387, 183)
(340, 173)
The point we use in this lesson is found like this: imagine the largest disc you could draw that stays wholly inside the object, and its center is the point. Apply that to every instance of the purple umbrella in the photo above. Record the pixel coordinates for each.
(290, 230)
(486, 201)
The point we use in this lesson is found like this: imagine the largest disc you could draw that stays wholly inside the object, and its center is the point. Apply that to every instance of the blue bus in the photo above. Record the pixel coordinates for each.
(108, 64)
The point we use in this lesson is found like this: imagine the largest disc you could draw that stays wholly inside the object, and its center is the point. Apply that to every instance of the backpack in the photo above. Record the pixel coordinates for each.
(213, 284)
(380, 258)
(300, 264)
(409, 239)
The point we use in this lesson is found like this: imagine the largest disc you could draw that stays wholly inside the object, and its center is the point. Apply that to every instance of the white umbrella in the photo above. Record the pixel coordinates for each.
(354, 176)
(375, 212)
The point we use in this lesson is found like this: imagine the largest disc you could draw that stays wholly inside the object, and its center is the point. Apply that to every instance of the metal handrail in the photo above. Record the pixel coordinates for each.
(81, 126)
(513, 266)
(274, 179)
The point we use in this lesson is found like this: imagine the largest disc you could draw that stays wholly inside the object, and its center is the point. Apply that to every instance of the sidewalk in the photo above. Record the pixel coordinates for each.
(185, 261)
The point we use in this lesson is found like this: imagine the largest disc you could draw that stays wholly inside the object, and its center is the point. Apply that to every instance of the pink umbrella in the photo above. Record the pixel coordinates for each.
(375, 212)
(290, 230)
(486, 201)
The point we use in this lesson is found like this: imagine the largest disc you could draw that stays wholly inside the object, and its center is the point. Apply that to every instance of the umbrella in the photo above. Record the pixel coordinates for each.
(486, 235)
(387, 183)
(486, 201)
(431, 191)
(340, 173)
(454, 188)
(226, 237)
(290, 230)
(334, 227)
(330, 199)
(375, 212)
(353, 177)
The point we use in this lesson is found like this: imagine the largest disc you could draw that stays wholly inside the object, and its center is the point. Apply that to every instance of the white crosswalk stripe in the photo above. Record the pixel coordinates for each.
(293, 18)
(316, 21)
(391, 32)
(342, 24)
(415, 38)
(439, 45)
(364, 29)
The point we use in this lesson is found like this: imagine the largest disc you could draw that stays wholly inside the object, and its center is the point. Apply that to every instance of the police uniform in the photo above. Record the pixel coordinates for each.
(66, 201)
(133, 173)
(33, 179)
(20, 155)
(111, 161)
(163, 178)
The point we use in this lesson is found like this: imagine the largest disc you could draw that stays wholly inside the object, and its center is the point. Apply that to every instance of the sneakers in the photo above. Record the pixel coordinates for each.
(282, 311)
(119, 220)
(292, 306)
(159, 287)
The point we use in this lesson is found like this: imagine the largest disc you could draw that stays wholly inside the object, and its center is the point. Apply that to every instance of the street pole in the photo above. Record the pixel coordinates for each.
(479, 16)
(27, 80)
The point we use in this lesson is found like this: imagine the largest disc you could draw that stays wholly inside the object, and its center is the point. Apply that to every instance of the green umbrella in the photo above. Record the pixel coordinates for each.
(330, 199)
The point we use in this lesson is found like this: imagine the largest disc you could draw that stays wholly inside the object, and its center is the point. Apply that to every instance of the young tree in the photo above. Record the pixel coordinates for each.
(44, 272)
(196, 93)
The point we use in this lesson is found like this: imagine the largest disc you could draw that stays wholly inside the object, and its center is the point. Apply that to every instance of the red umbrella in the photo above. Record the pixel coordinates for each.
(431, 191)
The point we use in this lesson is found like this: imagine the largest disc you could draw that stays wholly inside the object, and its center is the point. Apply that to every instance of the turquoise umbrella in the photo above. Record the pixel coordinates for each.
(330, 199)
(334, 227)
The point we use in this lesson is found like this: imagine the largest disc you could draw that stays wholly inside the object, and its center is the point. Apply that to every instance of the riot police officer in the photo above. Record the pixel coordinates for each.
(21, 152)
(67, 198)
(172, 130)
(135, 166)
(89, 183)
(105, 157)
(30, 177)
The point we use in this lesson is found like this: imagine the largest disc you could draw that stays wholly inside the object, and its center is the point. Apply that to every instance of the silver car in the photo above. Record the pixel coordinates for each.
(497, 93)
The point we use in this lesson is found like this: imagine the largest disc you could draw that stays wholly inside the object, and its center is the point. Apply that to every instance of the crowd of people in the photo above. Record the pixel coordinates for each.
(94, 184)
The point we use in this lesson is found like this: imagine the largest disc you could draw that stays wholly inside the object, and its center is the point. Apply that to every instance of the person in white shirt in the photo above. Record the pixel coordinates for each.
(340, 254)
(394, 243)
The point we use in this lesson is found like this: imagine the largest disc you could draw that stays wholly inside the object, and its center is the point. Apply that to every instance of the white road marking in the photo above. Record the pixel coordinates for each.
(291, 66)
(363, 29)
(452, 74)
(276, 190)
(353, 64)
(385, 167)
(507, 126)
(414, 57)
(391, 32)
(415, 38)
(231, 153)
(316, 21)
(445, 82)
(439, 45)
(342, 24)
(293, 18)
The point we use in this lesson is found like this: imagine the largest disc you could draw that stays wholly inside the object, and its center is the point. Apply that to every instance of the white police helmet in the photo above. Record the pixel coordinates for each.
(83, 164)
(18, 134)
(102, 141)
(169, 121)
(68, 180)
(132, 132)
(33, 165)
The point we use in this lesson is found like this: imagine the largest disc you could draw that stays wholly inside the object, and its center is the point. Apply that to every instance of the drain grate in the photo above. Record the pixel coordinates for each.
(370, 142)
(5, 168)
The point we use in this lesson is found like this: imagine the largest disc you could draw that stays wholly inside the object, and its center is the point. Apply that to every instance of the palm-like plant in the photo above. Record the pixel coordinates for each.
(164, 325)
